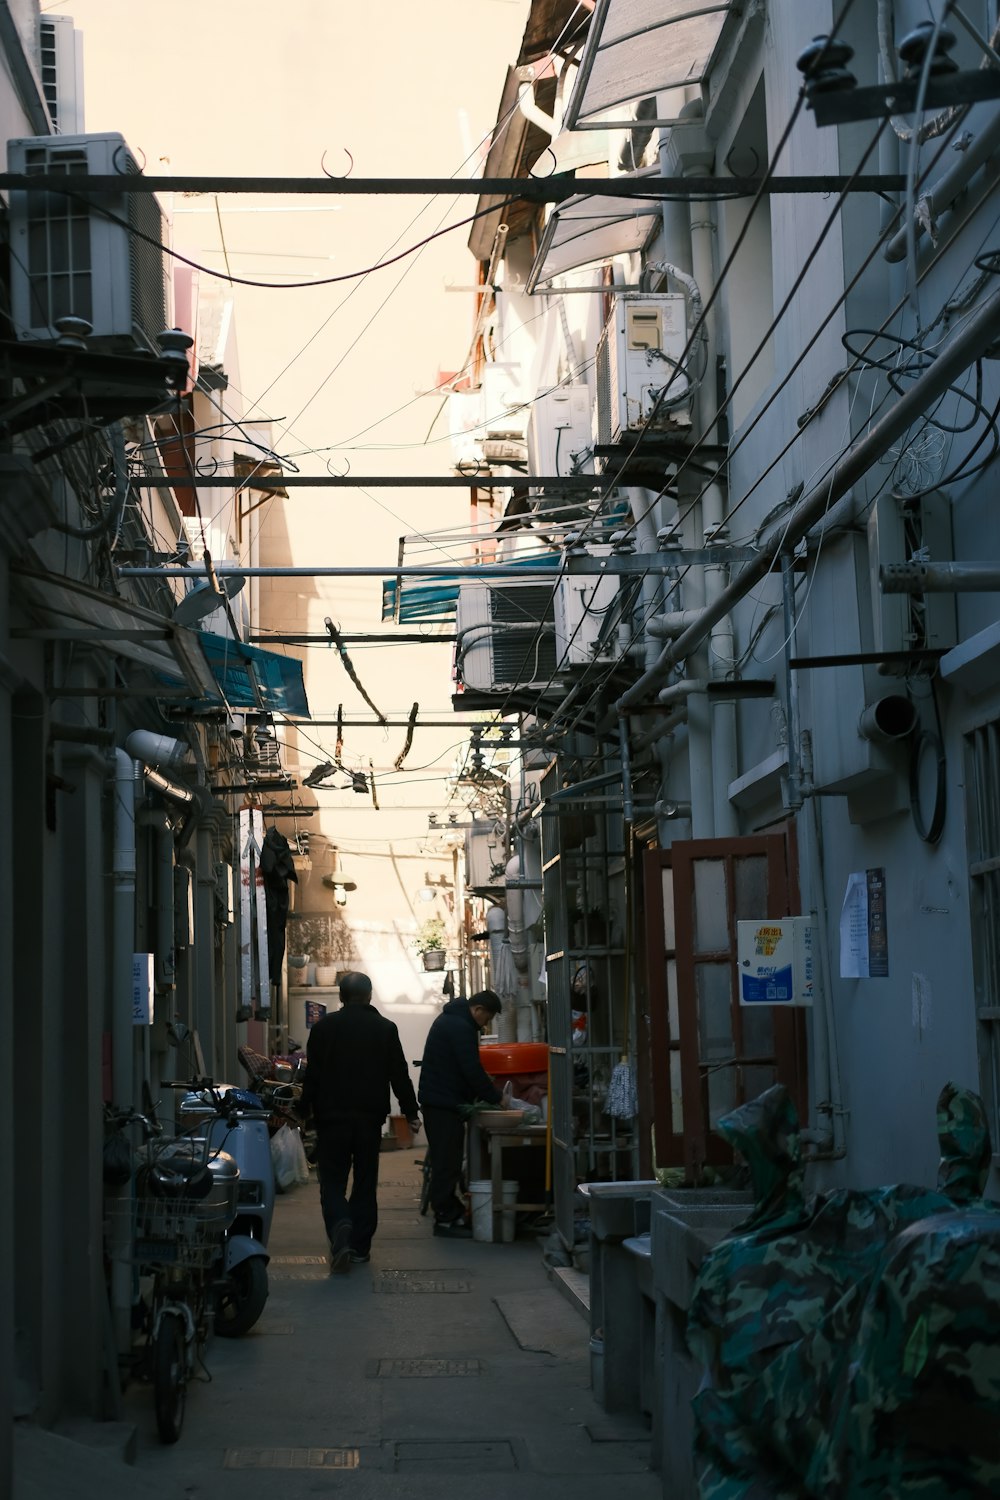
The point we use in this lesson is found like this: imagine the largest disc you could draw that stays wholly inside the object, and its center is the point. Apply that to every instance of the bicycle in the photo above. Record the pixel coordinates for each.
(168, 1227)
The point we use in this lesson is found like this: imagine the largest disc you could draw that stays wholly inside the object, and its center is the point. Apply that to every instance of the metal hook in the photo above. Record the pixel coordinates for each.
(738, 145)
(337, 176)
(554, 167)
(114, 161)
(338, 474)
(201, 465)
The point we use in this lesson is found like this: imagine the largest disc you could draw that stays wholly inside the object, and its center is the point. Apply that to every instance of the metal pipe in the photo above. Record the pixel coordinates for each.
(939, 578)
(942, 194)
(791, 681)
(626, 764)
(953, 360)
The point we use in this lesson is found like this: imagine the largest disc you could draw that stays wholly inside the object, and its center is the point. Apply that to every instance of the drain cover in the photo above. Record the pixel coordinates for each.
(298, 1260)
(422, 1281)
(407, 1368)
(455, 1458)
(291, 1458)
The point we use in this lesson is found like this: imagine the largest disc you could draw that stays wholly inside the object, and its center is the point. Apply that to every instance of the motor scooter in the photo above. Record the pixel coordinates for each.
(235, 1121)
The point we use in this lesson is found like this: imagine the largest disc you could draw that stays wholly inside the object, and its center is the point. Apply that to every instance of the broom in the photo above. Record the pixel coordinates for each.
(623, 1099)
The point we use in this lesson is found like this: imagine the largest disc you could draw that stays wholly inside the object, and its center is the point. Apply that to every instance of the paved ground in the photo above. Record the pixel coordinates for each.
(442, 1369)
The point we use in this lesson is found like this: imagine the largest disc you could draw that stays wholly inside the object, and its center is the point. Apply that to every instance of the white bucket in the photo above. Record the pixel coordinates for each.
(508, 1216)
(481, 1196)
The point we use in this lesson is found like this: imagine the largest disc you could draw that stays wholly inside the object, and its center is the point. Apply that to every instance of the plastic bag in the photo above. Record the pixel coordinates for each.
(299, 1152)
(284, 1158)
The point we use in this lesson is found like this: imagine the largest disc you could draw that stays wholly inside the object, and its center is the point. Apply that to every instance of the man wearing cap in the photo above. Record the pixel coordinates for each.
(353, 1059)
(451, 1079)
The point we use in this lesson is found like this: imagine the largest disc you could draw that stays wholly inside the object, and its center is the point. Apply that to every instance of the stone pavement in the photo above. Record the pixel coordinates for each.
(444, 1368)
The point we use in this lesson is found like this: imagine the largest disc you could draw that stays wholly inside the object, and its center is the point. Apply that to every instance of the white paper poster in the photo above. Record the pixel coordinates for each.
(864, 936)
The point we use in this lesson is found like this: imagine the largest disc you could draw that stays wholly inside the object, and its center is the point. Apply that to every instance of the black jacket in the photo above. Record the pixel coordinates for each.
(354, 1057)
(451, 1074)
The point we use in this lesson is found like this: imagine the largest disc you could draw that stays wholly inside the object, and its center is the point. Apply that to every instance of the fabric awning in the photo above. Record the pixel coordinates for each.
(248, 677)
(638, 48)
(590, 229)
(74, 611)
(429, 602)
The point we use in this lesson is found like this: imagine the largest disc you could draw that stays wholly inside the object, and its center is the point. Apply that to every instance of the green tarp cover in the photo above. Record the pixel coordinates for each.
(851, 1341)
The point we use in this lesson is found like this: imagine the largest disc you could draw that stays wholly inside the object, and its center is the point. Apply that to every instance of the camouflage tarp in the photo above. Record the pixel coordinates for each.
(829, 1328)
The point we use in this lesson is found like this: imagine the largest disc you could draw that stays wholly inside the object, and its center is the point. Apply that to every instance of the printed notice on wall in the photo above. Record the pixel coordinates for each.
(864, 934)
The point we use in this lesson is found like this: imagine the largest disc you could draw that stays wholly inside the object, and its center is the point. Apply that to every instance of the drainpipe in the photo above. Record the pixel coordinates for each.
(127, 775)
(828, 1138)
(527, 78)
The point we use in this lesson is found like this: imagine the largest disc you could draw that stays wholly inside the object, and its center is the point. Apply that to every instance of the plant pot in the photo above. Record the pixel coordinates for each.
(434, 958)
(326, 975)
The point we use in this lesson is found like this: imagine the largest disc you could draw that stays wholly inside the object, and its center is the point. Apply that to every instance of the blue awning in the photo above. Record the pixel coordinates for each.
(435, 602)
(249, 677)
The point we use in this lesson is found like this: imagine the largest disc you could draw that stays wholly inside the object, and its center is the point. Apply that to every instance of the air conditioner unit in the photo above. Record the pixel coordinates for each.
(60, 55)
(559, 431)
(639, 349)
(485, 857)
(505, 635)
(504, 410)
(71, 258)
(586, 617)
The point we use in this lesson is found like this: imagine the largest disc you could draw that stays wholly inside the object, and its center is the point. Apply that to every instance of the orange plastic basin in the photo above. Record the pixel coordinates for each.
(515, 1057)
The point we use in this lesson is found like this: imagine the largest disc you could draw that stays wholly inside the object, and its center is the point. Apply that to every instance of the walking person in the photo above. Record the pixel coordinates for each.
(354, 1057)
(451, 1079)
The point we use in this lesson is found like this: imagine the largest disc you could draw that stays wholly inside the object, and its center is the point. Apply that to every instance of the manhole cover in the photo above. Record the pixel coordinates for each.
(422, 1281)
(455, 1458)
(413, 1368)
(292, 1458)
(300, 1273)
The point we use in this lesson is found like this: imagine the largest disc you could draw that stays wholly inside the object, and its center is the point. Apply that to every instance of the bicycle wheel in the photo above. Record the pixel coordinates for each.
(169, 1377)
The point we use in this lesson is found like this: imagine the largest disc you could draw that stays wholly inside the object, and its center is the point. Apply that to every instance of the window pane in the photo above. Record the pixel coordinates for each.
(713, 995)
(750, 881)
(673, 1014)
(676, 1093)
(721, 1093)
(711, 914)
(669, 933)
(758, 1031)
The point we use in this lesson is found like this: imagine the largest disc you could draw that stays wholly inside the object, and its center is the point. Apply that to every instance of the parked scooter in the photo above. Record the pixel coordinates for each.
(236, 1121)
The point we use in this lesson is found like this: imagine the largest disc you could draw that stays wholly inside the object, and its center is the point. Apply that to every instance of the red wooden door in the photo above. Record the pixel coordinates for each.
(710, 1053)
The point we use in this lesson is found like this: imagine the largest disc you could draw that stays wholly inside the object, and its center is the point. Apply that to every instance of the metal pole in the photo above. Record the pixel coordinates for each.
(952, 361)
(791, 680)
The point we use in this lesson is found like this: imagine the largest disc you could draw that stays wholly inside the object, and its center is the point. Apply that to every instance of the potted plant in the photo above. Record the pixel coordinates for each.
(430, 942)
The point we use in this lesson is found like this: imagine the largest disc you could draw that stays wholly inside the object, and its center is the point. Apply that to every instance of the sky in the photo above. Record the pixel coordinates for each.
(247, 87)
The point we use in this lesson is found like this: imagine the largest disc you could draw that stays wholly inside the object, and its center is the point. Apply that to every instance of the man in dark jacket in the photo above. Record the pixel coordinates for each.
(353, 1058)
(452, 1078)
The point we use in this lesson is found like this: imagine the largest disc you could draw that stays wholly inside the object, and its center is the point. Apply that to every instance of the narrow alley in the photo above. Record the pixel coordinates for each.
(441, 1368)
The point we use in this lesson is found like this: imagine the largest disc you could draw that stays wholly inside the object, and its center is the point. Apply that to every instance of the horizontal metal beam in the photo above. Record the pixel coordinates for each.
(645, 563)
(554, 189)
(480, 481)
(387, 638)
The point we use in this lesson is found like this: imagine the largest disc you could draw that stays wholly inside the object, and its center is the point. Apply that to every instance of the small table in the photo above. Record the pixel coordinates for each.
(521, 1135)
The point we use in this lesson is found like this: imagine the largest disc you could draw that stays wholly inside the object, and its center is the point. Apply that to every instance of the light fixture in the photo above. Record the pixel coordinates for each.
(339, 888)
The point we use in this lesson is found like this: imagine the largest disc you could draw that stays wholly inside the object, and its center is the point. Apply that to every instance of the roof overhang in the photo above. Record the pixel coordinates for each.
(592, 228)
(636, 49)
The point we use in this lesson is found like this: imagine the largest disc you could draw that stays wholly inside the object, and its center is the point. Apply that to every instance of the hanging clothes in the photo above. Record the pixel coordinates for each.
(278, 869)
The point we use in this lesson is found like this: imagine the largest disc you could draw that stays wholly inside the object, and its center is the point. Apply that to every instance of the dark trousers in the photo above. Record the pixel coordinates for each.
(349, 1148)
(445, 1131)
